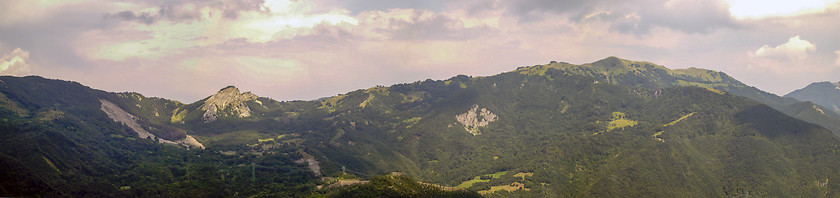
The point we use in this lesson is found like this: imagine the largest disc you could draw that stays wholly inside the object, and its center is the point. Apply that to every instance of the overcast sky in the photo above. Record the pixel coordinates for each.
(288, 50)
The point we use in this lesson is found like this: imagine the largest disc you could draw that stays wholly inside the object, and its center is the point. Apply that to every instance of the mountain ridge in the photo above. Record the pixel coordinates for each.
(653, 76)
(826, 94)
(613, 127)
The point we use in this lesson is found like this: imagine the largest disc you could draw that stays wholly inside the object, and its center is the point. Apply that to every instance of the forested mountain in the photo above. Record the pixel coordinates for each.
(826, 94)
(648, 75)
(610, 128)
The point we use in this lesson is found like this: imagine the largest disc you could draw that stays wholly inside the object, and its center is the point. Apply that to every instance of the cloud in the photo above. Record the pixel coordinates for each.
(795, 49)
(144, 17)
(637, 16)
(15, 63)
(175, 26)
(285, 20)
(411, 24)
(359, 6)
(189, 10)
(745, 9)
(837, 61)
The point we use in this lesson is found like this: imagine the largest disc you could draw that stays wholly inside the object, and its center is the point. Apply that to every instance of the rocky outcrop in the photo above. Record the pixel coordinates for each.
(229, 97)
(475, 118)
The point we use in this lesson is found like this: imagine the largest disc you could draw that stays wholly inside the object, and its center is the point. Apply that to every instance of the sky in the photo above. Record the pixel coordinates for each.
(302, 50)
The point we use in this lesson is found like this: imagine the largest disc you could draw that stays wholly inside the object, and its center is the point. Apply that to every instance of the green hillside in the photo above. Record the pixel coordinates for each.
(610, 128)
(568, 118)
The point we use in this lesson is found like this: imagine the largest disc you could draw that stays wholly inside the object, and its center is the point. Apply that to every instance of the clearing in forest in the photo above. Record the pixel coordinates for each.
(510, 188)
(469, 183)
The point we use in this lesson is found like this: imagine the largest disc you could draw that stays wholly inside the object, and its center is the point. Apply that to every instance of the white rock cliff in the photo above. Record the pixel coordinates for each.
(227, 97)
(475, 118)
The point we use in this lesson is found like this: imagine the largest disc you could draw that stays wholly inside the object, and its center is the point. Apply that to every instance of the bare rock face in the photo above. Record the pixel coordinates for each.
(190, 141)
(311, 162)
(227, 97)
(475, 118)
(121, 116)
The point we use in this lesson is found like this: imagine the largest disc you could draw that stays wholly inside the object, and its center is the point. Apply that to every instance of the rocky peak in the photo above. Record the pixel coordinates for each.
(227, 97)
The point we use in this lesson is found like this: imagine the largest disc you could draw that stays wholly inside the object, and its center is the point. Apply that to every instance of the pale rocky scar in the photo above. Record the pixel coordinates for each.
(475, 118)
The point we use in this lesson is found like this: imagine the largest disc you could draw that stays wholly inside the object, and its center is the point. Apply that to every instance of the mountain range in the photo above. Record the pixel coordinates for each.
(613, 127)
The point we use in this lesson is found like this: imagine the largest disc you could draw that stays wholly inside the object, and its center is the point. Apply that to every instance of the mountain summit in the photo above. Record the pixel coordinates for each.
(227, 102)
(826, 94)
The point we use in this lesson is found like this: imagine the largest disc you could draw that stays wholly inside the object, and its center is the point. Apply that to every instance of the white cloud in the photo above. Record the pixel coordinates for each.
(795, 49)
(837, 62)
(15, 63)
(763, 8)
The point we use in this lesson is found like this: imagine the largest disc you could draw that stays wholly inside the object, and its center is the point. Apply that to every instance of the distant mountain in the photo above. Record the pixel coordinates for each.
(826, 94)
(610, 128)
